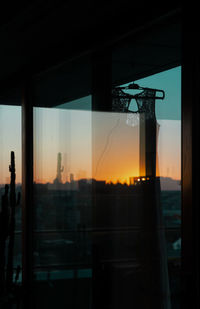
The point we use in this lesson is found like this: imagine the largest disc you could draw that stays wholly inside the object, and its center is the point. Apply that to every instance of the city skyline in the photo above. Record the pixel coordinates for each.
(115, 157)
(103, 145)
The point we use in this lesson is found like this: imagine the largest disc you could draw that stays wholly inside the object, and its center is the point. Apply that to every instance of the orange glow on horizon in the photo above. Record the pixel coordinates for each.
(108, 152)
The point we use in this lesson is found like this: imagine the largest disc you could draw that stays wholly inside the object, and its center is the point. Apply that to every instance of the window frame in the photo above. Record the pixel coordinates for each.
(190, 212)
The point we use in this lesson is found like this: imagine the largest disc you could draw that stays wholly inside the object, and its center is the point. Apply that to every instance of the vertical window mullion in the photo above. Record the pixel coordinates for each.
(27, 194)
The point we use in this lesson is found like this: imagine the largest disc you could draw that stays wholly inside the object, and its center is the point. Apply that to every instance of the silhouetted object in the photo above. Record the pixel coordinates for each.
(148, 132)
(142, 282)
(9, 274)
(8, 284)
(71, 177)
(60, 169)
(121, 100)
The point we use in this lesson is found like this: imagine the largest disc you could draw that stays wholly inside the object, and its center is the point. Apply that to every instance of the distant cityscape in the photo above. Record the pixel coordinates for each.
(71, 218)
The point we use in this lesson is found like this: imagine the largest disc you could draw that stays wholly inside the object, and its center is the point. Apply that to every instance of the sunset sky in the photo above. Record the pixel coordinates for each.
(95, 144)
(91, 150)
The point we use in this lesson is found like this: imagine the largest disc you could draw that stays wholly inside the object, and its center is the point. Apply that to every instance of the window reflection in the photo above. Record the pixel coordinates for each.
(10, 201)
(140, 244)
(63, 204)
(107, 229)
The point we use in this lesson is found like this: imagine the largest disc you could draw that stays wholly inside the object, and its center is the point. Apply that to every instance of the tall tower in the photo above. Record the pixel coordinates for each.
(59, 168)
(71, 178)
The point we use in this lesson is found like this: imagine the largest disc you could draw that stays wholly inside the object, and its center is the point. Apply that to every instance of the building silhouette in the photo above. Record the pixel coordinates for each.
(60, 169)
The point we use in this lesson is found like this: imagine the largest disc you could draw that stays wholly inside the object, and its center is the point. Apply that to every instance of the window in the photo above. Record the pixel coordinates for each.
(10, 199)
(105, 211)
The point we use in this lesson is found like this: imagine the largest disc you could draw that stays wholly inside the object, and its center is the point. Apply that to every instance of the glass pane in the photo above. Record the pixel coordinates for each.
(107, 230)
(10, 202)
(63, 199)
(146, 252)
(168, 114)
(107, 180)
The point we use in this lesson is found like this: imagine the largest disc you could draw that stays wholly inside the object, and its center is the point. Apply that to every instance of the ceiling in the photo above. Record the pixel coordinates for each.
(43, 34)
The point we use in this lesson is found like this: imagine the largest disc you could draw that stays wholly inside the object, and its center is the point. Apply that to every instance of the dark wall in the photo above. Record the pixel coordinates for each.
(45, 33)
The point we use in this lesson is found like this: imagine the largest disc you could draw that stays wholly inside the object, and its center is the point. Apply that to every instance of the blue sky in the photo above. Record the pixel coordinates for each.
(54, 129)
